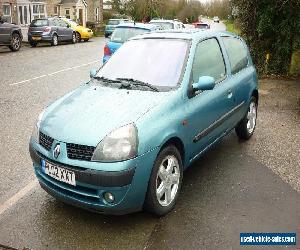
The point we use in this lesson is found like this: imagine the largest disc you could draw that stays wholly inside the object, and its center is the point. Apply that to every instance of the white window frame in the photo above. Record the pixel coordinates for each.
(97, 14)
(38, 14)
(8, 17)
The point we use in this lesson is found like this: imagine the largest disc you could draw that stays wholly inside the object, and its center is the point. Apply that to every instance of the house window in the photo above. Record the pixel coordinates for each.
(7, 12)
(68, 13)
(97, 14)
(55, 10)
(38, 11)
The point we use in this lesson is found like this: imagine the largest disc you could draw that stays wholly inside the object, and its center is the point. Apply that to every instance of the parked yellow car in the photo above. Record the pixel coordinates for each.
(81, 33)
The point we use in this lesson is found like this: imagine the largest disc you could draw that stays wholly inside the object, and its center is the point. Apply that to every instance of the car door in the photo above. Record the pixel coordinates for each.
(207, 111)
(66, 33)
(5, 31)
(241, 73)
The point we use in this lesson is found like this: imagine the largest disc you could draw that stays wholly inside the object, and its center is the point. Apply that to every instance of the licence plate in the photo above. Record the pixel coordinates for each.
(58, 173)
(36, 38)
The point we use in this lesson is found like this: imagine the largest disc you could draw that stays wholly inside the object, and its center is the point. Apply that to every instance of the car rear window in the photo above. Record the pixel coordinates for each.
(202, 26)
(121, 35)
(237, 53)
(39, 23)
(113, 22)
(164, 25)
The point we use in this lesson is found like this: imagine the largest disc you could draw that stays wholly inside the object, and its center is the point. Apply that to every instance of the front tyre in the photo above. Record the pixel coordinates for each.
(165, 182)
(54, 41)
(33, 44)
(78, 37)
(74, 38)
(246, 126)
(15, 43)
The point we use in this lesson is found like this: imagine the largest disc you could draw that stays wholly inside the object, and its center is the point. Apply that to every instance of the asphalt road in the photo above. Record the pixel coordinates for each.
(228, 191)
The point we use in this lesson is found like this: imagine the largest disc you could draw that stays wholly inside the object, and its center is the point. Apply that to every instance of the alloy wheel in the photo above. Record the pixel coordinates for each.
(251, 117)
(167, 180)
(16, 42)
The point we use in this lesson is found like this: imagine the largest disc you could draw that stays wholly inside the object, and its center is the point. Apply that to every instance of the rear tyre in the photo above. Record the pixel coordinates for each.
(33, 44)
(165, 182)
(246, 126)
(54, 41)
(106, 35)
(78, 37)
(74, 39)
(15, 43)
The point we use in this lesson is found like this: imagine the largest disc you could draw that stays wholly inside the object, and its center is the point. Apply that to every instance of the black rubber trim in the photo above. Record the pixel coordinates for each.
(90, 176)
(217, 123)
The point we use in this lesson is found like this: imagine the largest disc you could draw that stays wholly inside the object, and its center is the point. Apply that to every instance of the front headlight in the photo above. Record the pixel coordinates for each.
(119, 145)
(35, 132)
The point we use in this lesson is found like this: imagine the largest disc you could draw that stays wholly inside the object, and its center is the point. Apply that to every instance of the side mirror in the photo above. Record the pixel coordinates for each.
(204, 83)
(93, 72)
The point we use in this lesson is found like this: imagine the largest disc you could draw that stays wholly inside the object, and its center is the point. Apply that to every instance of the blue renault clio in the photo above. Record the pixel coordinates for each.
(120, 142)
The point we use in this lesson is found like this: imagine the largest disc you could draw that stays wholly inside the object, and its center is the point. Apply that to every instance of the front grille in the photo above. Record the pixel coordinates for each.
(46, 141)
(80, 152)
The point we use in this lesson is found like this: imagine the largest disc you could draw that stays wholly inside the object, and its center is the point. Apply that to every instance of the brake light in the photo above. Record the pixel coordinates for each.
(107, 51)
(47, 29)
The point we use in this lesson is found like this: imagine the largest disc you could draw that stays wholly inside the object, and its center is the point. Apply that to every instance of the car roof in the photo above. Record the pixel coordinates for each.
(185, 34)
(163, 21)
(118, 19)
(146, 26)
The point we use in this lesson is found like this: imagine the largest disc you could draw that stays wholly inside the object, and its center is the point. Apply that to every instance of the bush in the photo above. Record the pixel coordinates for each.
(270, 27)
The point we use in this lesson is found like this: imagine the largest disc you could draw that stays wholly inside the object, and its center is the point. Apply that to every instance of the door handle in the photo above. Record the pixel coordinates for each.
(229, 95)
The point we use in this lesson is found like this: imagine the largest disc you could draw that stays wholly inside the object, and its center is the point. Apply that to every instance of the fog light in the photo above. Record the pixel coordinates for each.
(109, 197)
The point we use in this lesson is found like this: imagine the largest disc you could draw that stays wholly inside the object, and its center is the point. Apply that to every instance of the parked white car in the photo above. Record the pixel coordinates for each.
(168, 24)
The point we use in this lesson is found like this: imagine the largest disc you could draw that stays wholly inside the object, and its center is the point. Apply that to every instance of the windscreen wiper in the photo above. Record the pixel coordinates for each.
(105, 79)
(138, 83)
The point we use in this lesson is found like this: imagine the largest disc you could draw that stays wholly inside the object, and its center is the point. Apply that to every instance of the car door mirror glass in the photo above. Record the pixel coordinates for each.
(204, 83)
(93, 72)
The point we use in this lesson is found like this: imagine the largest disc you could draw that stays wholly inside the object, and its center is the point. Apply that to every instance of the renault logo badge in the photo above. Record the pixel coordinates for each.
(56, 151)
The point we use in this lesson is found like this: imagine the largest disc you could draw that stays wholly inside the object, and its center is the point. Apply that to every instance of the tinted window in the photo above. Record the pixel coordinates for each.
(158, 62)
(208, 61)
(164, 26)
(237, 53)
(39, 23)
(121, 35)
(113, 22)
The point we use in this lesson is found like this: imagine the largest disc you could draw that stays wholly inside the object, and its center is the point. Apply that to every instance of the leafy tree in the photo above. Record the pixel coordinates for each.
(270, 27)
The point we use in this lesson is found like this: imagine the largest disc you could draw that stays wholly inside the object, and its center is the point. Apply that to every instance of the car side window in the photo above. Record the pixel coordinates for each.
(237, 53)
(55, 22)
(209, 61)
(62, 23)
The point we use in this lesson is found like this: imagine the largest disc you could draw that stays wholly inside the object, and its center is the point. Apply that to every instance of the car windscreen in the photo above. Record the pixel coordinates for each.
(113, 22)
(158, 62)
(39, 23)
(122, 34)
(164, 25)
(71, 22)
(202, 26)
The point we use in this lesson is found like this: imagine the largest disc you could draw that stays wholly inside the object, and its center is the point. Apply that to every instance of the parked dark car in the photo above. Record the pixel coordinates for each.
(52, 30)
(10, 35)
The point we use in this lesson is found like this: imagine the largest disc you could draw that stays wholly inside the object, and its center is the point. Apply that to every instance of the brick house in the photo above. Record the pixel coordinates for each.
(8, 9)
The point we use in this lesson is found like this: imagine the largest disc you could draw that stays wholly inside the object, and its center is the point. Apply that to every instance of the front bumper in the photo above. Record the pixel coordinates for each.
(128, 184)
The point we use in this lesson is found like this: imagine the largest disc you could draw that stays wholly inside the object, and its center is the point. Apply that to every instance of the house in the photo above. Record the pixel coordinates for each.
(29, 10)
(73, 9)
(93, 11)
(8, 9)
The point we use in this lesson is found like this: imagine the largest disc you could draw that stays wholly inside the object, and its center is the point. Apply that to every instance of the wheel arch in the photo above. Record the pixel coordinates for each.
(255, 94)
(178, 143)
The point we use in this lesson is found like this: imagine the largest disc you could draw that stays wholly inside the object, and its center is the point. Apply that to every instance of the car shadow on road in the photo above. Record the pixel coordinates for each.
(224, 193)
